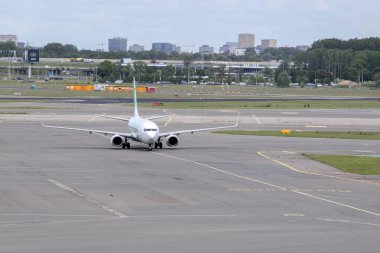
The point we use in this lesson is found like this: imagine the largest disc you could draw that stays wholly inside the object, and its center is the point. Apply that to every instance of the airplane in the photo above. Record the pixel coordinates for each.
(142, 130)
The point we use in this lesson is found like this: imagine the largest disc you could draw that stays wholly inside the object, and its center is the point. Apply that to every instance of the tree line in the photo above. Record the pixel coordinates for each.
(327, 60)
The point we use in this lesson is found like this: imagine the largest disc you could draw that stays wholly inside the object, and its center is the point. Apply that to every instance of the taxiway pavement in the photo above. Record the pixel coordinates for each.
(63, 191)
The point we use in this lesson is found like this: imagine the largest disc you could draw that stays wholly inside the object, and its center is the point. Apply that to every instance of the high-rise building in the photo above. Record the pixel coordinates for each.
(246, 40)
(166, 48)
(9, 37)
(206, 49)
(117, 44)
(229, 47)
(268, 43)
(136, 48)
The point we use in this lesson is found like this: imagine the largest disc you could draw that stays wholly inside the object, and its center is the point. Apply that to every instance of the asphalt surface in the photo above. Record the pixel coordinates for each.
(184, 98)
(73, 192)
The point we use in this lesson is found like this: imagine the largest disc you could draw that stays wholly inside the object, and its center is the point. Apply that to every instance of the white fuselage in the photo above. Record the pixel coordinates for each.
(144, 130)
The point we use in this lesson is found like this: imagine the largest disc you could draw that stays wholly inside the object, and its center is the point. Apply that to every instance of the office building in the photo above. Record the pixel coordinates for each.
(166, 48)
(229, 47)
(117, 44)
(268, 43)
(246, 40)
(206, 49)
(136, 48)
(9, 37)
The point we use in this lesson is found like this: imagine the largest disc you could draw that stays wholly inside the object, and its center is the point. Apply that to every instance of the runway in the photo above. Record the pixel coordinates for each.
(73, 192)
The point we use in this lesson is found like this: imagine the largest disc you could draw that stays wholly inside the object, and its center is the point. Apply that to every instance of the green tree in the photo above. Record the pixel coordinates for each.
(59, 51)
(168, 73)
(127, 73)
(377, 80)
(188, 59)
(107, 71)
(283, 80)
(140, 69)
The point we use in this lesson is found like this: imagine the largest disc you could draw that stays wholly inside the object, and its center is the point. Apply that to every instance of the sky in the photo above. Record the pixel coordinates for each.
(89, 24)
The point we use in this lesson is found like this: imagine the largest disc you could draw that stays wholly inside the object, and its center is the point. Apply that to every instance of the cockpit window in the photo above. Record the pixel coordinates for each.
(150, 130)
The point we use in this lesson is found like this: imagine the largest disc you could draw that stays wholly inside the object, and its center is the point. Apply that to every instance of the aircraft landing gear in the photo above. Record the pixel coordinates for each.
(126, 144)
(158, 145)
(150, 147)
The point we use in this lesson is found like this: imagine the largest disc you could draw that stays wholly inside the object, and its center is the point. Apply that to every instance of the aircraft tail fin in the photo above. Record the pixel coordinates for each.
(136, 112)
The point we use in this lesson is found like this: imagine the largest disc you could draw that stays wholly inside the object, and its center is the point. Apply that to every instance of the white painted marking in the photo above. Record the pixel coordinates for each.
(253, 190)
(289, 113)
(52, 215)
(313, 173)
(316, 126)
(293, 215)
(365, 151)
(257, 119)
(289, 152)
(337, 203)
(89, 199)
(62, 221)
(222, 171)
(168, 122)
(323, 190)
(347, 221)
(185, 215)
(73, 100)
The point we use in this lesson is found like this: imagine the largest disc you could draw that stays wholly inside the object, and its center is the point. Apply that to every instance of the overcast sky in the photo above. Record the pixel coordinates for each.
(89, 23)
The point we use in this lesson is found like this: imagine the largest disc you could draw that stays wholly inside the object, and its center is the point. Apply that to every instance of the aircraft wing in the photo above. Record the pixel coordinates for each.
(159, 117)
(110, 117)
(127, 119)
(129, 135)
(200, 129)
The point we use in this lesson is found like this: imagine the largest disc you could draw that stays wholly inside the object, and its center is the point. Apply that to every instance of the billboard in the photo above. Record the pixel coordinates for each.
(32, 55)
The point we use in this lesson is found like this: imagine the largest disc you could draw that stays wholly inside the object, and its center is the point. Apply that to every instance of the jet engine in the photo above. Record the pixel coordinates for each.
(172, 140)
(117, 140)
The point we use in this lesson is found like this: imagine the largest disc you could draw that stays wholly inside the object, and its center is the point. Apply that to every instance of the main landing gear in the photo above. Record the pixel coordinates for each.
(158, 145)
(126, 144)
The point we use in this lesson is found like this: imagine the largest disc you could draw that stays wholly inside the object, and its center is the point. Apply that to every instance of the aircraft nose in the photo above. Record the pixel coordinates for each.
(152, 137)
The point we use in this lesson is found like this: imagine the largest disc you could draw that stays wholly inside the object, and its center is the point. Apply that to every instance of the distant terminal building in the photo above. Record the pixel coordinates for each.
(268, 43)
(9, 37)
(117, 44)
(206, 49)
(166, 48)
(136, 48)
(302, 48)
(239, 51)
(246, 40)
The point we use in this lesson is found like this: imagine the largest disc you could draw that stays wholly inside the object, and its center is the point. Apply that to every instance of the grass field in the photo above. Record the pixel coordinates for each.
(290, 97)
(291, 104)
(309, 134)
(353, 164)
